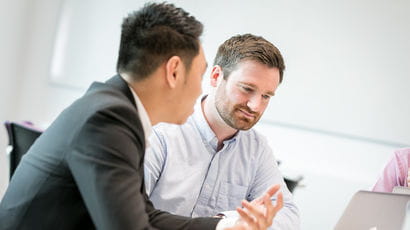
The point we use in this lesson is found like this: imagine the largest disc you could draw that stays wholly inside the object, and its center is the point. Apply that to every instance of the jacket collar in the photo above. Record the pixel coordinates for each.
(118, 82)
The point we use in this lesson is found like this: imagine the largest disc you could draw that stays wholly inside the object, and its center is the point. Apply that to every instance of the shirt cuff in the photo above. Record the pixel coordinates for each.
(229, 214)
(226, 223)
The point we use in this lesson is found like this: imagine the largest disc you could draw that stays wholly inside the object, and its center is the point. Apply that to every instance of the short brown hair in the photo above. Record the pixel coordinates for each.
(153, 34)
(248, 47)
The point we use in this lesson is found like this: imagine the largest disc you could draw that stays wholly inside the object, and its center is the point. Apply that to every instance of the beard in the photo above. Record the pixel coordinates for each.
(235, 115)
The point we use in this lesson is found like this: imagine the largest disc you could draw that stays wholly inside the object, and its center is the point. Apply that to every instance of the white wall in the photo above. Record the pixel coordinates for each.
(337, 117)
(347, 65)
(27, 43)
(13, 24)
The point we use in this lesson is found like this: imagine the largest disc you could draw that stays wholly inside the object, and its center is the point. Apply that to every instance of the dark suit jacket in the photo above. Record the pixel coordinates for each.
(86, 171)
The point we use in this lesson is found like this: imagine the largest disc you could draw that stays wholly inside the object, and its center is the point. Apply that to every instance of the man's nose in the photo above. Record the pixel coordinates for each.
(255, 103)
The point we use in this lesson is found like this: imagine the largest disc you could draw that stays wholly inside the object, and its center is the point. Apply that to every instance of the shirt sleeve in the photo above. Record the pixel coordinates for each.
(154, 161)
(226, 223)
(394, 173)
(268, 174)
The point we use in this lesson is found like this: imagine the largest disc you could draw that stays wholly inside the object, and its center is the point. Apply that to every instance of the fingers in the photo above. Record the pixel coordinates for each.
(257, 214)
(247, 218)
(272, 190)
(271, 210)
(279, 202)
(258, 201)
(257, 211)
(260, 212)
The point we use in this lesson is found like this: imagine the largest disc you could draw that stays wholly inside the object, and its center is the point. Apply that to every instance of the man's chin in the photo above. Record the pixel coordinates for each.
(243, 124)
(244, 128)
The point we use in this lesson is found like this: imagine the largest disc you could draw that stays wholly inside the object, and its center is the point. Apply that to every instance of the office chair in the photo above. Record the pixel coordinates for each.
(21, 137)
(292, 183)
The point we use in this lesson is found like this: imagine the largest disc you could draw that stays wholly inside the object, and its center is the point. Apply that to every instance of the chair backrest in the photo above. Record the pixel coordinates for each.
(292, 183)
(21, 137)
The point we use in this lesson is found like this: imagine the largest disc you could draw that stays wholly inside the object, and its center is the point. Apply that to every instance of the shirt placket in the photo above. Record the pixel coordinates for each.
(206, 196)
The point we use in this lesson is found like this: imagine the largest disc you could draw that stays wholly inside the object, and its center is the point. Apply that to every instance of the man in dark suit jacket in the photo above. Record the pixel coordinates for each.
(86, 170)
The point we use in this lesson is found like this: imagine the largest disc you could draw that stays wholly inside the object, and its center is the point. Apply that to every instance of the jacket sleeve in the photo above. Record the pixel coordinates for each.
(164, 220)
(107, 165)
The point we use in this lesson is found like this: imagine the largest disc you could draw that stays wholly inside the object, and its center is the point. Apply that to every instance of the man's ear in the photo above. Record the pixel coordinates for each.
(216, 75)
(174, 68)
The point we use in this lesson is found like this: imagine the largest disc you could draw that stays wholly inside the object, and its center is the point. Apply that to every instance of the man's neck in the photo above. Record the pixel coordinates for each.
(147, 98)
(216, 123)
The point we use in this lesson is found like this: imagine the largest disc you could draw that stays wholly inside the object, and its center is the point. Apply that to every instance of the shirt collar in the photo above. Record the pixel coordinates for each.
(146, 122)
(205, 130)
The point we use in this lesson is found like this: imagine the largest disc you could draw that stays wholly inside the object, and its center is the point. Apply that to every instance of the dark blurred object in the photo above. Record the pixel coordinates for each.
(292, 183)
(21, 137)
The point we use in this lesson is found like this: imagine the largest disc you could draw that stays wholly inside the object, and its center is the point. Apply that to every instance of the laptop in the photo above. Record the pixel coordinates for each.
(376, 211)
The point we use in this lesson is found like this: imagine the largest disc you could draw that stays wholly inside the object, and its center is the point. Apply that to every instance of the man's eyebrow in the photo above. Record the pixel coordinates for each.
(248, 84)
(271, 93)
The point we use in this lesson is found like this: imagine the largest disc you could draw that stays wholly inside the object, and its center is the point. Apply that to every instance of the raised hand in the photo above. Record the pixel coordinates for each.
(259, 214)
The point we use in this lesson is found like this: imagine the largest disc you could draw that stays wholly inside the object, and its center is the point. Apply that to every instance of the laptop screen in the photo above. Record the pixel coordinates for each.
(375, 211)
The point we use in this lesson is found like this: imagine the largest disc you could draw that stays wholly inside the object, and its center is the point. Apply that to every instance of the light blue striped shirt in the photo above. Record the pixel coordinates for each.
(185, 175)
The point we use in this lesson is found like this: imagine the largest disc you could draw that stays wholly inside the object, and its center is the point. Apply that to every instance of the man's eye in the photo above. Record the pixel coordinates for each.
(267, 97)
(247, 89)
